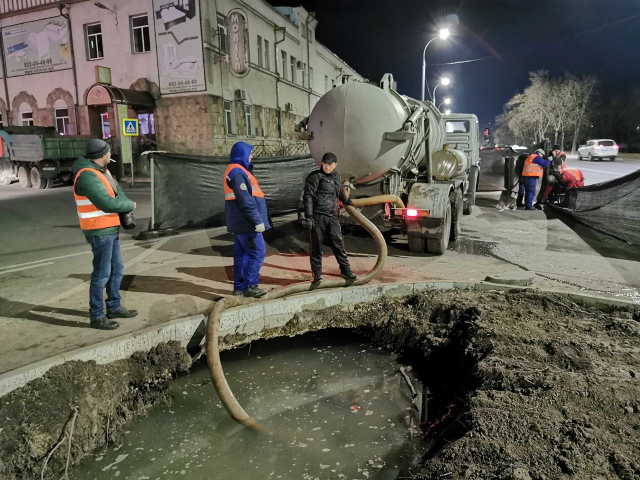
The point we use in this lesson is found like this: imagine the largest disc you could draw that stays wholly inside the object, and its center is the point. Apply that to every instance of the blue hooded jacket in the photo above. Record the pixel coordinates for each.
(246, 211)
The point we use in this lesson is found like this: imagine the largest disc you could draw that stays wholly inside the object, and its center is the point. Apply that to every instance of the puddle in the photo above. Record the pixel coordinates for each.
(338, 408)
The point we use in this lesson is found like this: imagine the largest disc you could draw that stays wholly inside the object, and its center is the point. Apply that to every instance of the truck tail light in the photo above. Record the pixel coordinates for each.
(411, 213)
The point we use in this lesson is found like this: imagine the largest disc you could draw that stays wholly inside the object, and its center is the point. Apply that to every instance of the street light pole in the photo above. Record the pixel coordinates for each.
(444, 34)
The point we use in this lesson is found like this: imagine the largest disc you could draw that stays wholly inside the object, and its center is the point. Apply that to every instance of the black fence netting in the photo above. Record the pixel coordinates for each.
(611, 207)
(188, 191)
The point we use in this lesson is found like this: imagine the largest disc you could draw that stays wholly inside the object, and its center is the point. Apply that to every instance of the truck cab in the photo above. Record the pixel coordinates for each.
(461, 133)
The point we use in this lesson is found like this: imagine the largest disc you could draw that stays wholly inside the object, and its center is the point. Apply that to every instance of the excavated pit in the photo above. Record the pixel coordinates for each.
(508, 386)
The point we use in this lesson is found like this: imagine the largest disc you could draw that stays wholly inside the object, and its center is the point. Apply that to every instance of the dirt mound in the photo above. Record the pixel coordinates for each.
(81, 401)
(522, 386)
(516, 386)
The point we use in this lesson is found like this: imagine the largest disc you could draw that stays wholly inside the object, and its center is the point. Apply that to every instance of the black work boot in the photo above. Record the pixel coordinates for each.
(520, 201)
(255, 292)
(122, 313)
(103, 323)
(317, 279)
(349, 276)
(238, 293)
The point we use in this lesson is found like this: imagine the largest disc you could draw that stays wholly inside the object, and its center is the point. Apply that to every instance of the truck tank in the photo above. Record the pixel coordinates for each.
(355, 120)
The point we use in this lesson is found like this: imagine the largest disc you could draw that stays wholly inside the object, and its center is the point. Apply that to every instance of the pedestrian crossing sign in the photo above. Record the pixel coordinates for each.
(130, 127)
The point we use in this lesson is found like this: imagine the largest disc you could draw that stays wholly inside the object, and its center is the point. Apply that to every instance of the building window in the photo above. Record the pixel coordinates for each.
(247, 119)
(1, 123)
(260, 64)
(267, 62)
(294, 77)
(326, 84)
(27, 119)
(62, 121)
(222, 32)
(140, 37)
(333, 83)
(284, 65)
(311, 78)
(227, 117)
(94, 41)
(310, 36)
(304, 75)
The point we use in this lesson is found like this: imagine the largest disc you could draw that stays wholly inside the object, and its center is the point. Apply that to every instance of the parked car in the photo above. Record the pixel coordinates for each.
(598, 150)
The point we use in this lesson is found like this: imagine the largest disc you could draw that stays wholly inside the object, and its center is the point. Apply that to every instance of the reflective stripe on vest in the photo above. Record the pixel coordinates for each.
(531, 169)
(256, 191)
(91, 218)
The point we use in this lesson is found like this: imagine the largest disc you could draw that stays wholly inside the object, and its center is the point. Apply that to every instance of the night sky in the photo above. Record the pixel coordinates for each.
(599, 37)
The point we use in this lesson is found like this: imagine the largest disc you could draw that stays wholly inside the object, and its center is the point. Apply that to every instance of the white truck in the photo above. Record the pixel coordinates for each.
(390, 144)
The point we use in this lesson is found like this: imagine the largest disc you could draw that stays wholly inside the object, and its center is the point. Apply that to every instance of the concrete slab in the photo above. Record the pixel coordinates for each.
(518, 277)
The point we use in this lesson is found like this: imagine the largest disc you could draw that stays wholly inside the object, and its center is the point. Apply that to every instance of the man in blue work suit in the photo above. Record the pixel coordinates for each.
(246, 213)
(532, 169)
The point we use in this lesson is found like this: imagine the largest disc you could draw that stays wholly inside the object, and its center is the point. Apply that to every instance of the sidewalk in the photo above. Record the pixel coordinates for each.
(175, 277)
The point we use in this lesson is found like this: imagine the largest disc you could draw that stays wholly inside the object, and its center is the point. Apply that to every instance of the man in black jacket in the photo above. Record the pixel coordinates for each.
(321, 190)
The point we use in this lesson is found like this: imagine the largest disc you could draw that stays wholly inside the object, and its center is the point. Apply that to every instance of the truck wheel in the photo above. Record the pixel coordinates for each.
(438, 246)
(417, 244)
(23, 177)
(36, 179)
(457, 206)
(5, 178)
(67, 179)
(470, 201)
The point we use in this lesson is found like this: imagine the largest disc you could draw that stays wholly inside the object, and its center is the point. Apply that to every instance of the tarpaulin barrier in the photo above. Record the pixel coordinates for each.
(611, 207)
(187, 190)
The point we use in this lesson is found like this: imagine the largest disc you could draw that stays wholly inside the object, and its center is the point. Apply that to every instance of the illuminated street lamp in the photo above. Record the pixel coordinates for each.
(443, 81)
(447, 111)
(446, 101)
(442, 35)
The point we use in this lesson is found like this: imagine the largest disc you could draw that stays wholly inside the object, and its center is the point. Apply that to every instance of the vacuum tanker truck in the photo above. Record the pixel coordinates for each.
(391, 144)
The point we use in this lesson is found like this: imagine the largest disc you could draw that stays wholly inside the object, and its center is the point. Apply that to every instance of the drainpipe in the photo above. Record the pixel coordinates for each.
(73, 64)
(277, 59)
(310, 18)
(6, 85)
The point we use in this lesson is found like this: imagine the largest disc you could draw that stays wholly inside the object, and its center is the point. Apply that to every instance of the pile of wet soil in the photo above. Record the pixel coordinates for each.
(522, 386)
(516, 386)
(83, 401)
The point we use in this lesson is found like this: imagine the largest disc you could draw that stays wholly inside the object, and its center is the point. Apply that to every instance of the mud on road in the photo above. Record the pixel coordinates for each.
(517, 386)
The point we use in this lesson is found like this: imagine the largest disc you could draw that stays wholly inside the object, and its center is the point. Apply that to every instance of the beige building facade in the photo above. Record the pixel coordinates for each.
(198, 74)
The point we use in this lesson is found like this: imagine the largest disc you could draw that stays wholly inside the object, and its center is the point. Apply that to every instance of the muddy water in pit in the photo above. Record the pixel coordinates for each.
(337, 407)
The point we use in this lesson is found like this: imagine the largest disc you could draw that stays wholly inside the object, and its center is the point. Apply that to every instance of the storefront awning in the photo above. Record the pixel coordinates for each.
(100, 94)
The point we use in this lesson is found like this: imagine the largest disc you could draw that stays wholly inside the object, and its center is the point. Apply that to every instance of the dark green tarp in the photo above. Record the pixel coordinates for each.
(188, 191)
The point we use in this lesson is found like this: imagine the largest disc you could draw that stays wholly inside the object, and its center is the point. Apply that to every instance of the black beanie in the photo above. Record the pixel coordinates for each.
(96, 148)
(329, 158)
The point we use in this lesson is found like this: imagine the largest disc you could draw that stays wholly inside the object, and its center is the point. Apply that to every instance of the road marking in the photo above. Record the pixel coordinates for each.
(128, 247)
(81, 286)
(25, 268)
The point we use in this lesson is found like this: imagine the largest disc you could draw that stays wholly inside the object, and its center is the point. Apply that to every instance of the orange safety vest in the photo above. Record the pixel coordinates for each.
(575, 172)
(90, 217)
(531, 169)
(256, 191)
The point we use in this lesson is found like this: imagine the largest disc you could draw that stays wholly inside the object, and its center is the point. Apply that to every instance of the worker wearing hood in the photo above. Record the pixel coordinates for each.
(246, 214)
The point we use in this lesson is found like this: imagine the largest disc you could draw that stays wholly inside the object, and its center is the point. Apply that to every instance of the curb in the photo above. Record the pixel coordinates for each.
(253, 319)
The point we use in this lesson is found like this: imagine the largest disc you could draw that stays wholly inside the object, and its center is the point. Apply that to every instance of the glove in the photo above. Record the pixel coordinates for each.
(260, 228)
(307, 224)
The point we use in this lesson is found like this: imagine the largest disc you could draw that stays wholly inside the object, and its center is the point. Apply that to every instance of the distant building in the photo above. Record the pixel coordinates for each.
(198, 74)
